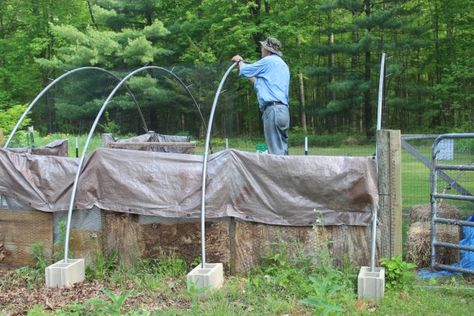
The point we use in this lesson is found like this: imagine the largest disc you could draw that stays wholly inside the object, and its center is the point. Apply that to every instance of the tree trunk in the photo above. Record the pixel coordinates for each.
(302, 102)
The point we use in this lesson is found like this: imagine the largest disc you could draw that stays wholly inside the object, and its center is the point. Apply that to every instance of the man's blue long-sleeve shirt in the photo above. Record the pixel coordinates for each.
(272, 79)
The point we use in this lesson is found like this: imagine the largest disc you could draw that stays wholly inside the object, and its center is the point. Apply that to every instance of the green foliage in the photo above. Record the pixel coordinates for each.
(464, 145)
(152, 274)
(37, 310)
(323, 288)
(296, 138)
(101, 266)
(34, 277)
(428, 87)
(60, 243)
(38, 256)
(109, 125)
(9, 117)
(324, 296)
(111, 306)
(398, 273)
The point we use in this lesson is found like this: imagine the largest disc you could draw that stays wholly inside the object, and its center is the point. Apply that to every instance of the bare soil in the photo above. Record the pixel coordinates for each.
(16, 298)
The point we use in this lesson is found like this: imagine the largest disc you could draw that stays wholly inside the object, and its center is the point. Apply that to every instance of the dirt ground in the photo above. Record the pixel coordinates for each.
(16, 298)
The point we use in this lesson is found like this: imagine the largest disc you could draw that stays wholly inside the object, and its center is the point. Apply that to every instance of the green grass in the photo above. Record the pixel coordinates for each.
(437, 300)
(287, 283)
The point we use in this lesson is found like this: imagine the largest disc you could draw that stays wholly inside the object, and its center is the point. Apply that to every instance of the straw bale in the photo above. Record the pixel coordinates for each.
(253, 240)
(184, 240)
(418, 247)
(422, 213)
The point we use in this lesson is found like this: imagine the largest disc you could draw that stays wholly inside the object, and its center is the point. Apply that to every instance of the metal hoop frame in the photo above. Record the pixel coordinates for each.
(54, 82)
(91, 133)
(204, 166)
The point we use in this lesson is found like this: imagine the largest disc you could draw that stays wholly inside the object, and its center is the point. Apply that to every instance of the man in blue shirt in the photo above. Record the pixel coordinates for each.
(271, 79)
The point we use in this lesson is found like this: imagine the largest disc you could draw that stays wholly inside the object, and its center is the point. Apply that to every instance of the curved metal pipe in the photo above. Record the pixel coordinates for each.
(30, 106)
(86, 145)
(204, 166)
(188, 91)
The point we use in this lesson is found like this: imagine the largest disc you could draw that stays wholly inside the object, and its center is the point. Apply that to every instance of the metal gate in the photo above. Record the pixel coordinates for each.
(436, 170)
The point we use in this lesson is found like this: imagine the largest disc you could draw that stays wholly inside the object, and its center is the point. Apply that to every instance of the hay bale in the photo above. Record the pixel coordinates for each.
(422, 213)
(418, 245)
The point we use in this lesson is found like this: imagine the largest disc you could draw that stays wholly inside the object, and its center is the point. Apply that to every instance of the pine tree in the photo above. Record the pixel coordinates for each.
(357, 32)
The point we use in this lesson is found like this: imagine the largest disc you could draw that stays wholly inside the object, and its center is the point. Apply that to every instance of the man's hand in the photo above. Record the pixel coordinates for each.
(237, 58)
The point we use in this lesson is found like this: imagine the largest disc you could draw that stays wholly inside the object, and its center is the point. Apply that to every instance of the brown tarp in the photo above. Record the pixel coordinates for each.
(278, 190)
(55, 148)
(152, 141)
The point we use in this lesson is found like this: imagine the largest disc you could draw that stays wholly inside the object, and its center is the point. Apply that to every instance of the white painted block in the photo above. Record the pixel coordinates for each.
(209, 277)
(371, 284)
(62, 274)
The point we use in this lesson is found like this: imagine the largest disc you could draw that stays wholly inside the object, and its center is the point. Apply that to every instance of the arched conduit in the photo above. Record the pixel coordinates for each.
(170, 72)
(91, 133)
(204, 166)
(32, 104)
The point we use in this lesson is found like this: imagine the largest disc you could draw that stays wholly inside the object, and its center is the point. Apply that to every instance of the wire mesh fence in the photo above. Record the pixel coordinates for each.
(416, 159)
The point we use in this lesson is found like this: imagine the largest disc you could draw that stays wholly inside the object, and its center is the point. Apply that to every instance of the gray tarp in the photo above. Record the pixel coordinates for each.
(278, 190)
(55, 148)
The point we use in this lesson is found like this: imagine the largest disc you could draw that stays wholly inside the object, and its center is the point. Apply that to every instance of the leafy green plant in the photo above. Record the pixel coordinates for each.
(37, 310)
(38, 256)
(330, 288)
(34, 276)
(109, 125)
(9, 117)
(101, 266)
(398, 273)
(171, 267)
(324, 297)
(112, 306)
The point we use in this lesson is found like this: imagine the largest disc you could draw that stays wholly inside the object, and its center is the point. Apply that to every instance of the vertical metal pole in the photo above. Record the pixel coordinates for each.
(433, 205)
(204, 167)
(379, 127)
(77, 148)
(374, 238)
(306, 145)
(380, 96)
(226, 143)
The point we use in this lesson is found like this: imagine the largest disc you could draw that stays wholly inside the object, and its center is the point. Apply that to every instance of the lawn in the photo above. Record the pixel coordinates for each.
(283, 285)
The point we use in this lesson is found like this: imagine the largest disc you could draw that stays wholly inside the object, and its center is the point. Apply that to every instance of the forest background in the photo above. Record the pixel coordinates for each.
(333, 48)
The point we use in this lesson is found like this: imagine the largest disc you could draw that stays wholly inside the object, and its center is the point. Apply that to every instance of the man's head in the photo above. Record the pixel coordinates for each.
(272, 46)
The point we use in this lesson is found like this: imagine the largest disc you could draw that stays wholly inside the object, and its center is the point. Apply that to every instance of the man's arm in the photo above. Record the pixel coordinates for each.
(240, 60)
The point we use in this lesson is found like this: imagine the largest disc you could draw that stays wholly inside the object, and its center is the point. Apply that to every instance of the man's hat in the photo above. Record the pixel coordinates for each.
(272, 45)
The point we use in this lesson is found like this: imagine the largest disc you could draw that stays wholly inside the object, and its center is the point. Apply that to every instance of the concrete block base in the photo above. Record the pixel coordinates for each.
(209, 277)
(62, 274)
(371, 285)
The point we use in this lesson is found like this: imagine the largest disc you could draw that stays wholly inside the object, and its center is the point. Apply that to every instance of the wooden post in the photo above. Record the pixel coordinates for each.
(120, 232)
(390, 191)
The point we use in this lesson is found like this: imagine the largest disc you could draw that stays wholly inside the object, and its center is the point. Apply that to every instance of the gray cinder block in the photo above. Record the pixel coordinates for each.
(62, 274)
(371, 284)
(209, 277)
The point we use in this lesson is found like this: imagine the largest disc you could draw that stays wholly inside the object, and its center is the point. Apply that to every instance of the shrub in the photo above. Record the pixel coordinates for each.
(9, 117)
(398, 273)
